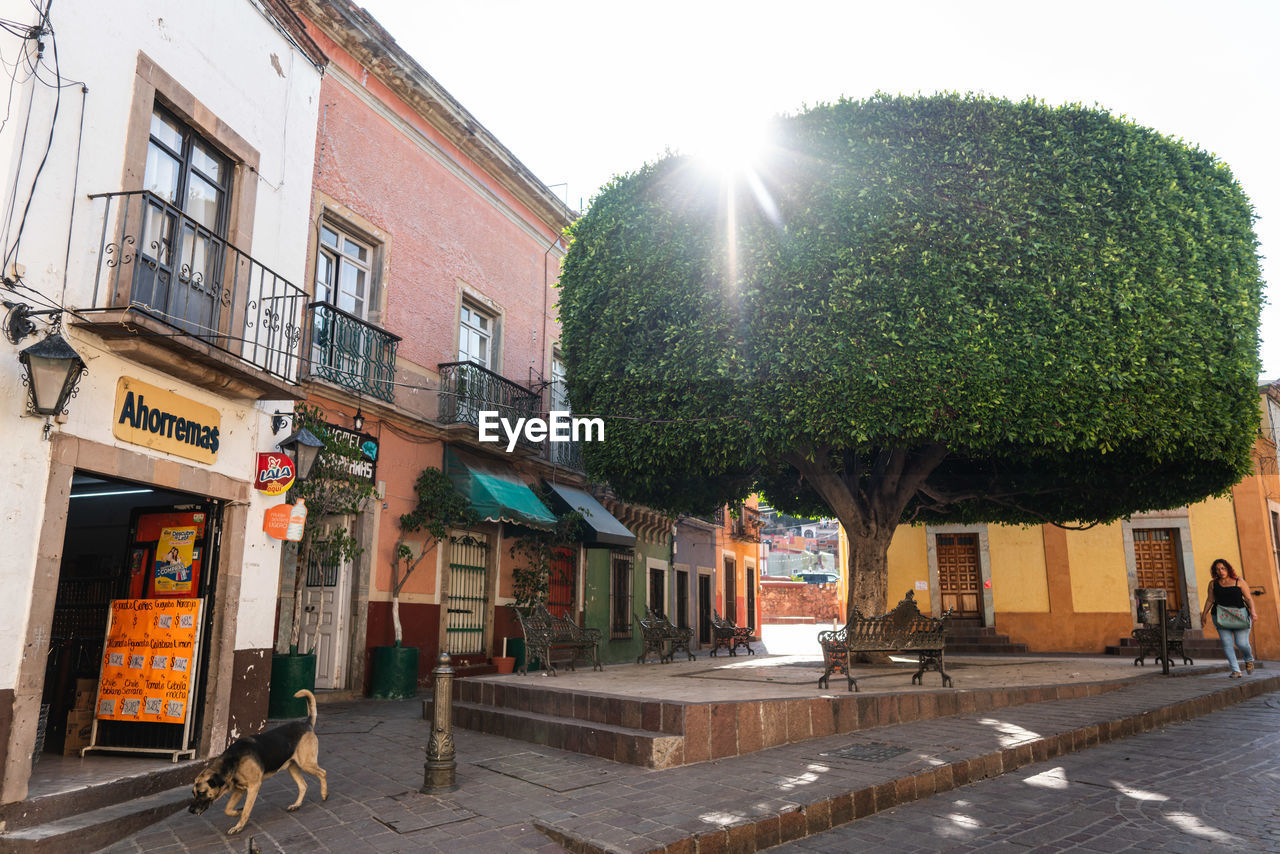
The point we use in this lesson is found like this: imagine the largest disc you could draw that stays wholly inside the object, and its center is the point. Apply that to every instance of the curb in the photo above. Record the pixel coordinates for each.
(809, 819)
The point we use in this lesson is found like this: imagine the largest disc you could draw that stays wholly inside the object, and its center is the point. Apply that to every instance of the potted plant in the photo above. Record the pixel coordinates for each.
(330, 493)
(439, 507)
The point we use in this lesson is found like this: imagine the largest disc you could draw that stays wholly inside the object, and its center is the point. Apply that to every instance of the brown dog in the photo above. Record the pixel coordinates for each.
(243, 766)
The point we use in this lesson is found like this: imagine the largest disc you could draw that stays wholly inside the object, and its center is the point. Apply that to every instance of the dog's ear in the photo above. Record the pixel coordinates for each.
(216, 781)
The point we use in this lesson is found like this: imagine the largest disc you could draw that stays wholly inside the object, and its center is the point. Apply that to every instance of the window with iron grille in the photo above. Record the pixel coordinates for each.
(751, 597)
(464, 621)
(621, 566)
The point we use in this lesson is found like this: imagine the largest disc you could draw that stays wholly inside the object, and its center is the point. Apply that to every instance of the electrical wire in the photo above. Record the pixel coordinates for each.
(12, 254)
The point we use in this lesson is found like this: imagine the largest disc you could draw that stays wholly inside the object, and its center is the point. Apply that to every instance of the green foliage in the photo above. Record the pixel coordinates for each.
(331, 493)
(439, 508)
(533, 550)
(1066, 302)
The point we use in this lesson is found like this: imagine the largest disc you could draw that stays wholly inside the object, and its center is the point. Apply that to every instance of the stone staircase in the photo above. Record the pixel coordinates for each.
(966, 635)
(1194, 643)
(90, 817)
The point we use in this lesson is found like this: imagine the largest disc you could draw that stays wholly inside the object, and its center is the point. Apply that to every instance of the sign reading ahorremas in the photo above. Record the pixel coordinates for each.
(154, 418)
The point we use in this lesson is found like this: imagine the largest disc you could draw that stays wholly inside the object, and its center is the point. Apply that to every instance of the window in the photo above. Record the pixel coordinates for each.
(475, 336)
(559, 386)
(344, 272)
(183, 227)
(620, 595)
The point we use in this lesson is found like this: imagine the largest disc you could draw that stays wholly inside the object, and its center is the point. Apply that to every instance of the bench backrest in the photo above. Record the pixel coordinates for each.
(904, 628)
(540, 622)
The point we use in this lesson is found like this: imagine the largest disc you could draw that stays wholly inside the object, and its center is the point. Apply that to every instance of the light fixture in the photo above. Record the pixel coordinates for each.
(358, 421)
(304, 448)
(279, 419)
(52, 371)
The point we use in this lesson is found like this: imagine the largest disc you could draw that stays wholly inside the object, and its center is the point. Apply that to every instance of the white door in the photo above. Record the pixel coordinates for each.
(324, 601)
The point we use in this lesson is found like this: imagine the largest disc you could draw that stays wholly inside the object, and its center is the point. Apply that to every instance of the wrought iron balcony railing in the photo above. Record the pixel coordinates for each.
(747, 525)
(351, 352)
(467, 389)
(565, 454)
(156, 259)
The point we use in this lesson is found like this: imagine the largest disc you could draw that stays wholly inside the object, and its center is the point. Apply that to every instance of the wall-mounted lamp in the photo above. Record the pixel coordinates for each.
(304, 448)
(279, 420)
(358, 421)
(52, 369)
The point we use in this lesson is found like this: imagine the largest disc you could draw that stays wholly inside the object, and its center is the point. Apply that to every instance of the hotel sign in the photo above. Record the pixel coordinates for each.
(154, 418)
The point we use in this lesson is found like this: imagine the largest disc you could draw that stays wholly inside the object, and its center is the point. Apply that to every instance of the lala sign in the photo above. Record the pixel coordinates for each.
(274, 475)
(155, 418)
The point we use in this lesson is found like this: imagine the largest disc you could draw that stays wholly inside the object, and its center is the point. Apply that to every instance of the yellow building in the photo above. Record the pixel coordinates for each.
(1059, 590)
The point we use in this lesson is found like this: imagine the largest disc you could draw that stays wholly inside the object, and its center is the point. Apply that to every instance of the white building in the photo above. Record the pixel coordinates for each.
(156, 162)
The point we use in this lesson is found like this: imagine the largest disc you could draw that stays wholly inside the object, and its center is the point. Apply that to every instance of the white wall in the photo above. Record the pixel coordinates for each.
(222, 52)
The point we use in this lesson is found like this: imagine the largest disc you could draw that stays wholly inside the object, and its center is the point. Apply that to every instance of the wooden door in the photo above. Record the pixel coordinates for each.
(323, 625)
(960, 574)
(1156, 561)
(561, 584)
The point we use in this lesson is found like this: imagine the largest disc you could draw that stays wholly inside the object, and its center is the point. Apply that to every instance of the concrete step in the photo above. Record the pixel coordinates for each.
(96, 828)
(44, 809)
(996, 647)
(618, 743)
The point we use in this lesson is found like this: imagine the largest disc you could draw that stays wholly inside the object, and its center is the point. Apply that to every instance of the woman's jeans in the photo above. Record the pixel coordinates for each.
(1232, 638)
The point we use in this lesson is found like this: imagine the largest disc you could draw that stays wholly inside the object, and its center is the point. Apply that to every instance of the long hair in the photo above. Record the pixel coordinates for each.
(1231, 572)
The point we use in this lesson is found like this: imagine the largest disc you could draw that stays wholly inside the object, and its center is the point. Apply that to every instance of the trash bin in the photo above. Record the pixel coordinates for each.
(1148, 609)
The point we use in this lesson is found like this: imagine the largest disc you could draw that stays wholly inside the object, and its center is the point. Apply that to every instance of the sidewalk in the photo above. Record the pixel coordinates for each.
(519, 796)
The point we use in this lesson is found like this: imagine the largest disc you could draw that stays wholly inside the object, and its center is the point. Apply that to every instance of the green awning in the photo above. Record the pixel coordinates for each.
(495, 491)
(600, 528)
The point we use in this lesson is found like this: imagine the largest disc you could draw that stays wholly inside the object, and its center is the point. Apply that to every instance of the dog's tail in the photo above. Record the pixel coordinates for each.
(311, 703)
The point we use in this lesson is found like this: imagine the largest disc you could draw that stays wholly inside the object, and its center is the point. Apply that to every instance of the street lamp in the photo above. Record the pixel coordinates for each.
(52, 371)
(304, 447)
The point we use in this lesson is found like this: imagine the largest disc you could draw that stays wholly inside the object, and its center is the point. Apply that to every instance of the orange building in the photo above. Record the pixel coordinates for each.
(1058, 590)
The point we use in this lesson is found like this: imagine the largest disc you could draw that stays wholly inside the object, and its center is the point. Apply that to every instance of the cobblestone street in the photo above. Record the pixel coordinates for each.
(1212, 784)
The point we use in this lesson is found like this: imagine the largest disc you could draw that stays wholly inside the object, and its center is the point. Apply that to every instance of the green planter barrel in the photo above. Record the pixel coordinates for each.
(290, 674)
(395, 673)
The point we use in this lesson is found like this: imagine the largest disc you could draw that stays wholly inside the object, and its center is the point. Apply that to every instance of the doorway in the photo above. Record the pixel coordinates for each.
(705, 603)
(123, 540)
(1156, 561)
(561, 584)
(658, 590)
(960, 574)
(325, 604)
(731, 590)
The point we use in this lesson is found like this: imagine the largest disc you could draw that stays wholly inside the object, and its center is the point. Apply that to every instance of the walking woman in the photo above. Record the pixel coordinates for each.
(1233, 614)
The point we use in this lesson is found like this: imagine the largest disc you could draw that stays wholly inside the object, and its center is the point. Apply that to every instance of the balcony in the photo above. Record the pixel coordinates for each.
(352, 353)
(747, 525)
(564, 454)
(467, 389)
(172, 294)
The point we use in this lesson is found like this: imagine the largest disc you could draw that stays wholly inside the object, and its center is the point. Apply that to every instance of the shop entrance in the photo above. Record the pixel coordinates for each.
(123, 540)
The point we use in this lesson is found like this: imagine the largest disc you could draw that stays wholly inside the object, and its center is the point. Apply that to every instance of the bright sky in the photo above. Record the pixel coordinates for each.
(581, 91)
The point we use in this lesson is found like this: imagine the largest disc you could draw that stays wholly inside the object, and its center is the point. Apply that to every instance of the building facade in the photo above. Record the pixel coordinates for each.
(1061, 590)
(158, 230)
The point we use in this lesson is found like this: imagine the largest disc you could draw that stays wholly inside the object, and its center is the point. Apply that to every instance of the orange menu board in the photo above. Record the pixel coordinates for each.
(149, 660)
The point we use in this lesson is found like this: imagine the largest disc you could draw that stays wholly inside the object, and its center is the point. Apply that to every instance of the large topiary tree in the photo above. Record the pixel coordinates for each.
(943, 309)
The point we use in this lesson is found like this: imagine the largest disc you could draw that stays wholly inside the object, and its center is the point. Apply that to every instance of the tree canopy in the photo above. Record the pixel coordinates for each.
(945, 308)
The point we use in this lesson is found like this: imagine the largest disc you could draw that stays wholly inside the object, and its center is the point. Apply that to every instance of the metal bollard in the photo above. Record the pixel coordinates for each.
(441, 770)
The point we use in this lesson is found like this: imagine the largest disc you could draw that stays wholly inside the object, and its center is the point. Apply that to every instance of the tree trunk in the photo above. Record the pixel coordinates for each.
(868, 571)
(868, 494)
(395, 616)
(299, 572)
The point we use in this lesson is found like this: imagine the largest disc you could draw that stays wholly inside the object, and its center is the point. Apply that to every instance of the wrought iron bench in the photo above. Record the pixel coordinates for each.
(656, 630)
(544, 631)
(725, 635)
(904, 629)
(1148, 638)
